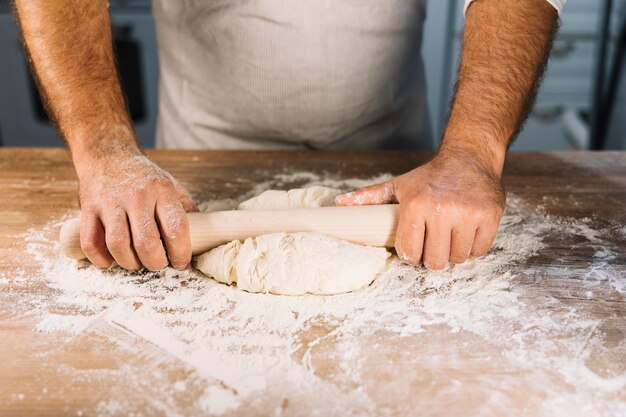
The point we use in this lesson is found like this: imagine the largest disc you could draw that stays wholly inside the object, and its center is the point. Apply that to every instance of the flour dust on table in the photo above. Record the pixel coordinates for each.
(296, 263)
(476, 337)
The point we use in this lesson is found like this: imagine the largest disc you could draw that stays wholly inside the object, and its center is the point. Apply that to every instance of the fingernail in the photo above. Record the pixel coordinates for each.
(435, 268)
(158, 269)
(403, 256)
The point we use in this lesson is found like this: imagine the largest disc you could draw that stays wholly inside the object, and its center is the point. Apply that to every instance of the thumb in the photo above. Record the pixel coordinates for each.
(383, 193)
(188, 204)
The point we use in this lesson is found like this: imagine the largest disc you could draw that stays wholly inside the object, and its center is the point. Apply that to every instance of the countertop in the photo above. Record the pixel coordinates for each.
(557, 348)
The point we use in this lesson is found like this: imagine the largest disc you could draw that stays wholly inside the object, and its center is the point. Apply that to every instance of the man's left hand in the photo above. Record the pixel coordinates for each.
(450, 209)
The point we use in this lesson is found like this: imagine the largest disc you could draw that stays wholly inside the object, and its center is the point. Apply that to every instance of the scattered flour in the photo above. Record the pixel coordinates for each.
(241, 345)
(71, 323)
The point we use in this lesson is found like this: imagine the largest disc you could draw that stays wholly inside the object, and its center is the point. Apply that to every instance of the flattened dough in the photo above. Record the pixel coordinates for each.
(293, 264)
(297, 263)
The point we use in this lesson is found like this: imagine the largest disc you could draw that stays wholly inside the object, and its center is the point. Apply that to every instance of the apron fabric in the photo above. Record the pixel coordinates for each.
(291, 74)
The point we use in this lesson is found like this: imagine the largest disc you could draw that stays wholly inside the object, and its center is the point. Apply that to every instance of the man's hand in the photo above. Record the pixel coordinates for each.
(450, 209)
(128, 204)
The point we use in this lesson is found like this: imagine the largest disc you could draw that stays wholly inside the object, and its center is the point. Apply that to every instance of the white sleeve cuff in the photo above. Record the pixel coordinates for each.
(557, 4)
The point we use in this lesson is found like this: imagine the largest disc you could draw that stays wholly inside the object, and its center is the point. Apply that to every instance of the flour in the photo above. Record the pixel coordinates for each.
(67, 323)
(241, 345)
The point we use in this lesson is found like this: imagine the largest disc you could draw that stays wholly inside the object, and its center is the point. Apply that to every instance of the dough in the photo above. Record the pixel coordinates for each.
(297, 263)
(293, 264)
(311, 197)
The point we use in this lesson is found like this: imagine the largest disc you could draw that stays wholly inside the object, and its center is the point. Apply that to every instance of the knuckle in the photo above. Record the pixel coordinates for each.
(176, 221)
(148, 244)
(414, 205)
(138, 200)
(477, 215)
(88, 208)
(139, 191)
(174, 235)
(491, 210)
(447, 201)
(117, 242)
(482, 214)
(187, 203)
(164, 186)
(441, 209)
(90, 246)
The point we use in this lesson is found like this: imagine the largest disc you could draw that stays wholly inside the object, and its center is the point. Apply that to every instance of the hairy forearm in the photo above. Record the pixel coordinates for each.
(505, 50)
(70, 47)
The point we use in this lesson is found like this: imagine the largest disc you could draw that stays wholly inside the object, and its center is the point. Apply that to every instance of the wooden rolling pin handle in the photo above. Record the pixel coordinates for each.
(365, 225)
(69, 236)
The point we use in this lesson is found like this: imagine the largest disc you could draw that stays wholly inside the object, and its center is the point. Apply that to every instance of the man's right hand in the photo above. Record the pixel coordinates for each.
(128, 204)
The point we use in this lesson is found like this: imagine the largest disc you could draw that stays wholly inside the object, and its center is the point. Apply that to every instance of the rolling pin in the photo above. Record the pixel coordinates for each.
(365, 225)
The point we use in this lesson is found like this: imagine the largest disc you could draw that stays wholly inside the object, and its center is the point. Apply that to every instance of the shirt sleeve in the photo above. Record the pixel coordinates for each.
(557, 4)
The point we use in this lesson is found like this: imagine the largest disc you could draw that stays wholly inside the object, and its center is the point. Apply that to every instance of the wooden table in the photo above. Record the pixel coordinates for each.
(438, 372)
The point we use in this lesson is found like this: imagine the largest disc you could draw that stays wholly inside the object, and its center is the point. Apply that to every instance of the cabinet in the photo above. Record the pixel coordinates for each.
(23, 121)
(567, 88)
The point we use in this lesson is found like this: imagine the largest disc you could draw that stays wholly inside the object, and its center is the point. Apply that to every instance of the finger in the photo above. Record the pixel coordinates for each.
(189, 206)
(383, 193)
(174, 226)
(437, 244)
(92, 241)
(485, 235)
(147, 239)
(187, 202)
(118, 239)
(461, 243)
(410, 234)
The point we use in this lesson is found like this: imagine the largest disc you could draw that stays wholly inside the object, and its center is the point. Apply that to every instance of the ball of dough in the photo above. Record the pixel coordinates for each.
(294, 264)
(297, 263)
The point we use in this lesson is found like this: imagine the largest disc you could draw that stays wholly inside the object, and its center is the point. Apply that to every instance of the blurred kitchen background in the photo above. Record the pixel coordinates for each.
(581, 104)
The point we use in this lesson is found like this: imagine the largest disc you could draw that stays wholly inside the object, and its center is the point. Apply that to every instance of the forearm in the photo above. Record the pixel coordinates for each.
(70, 47)
(505, 49)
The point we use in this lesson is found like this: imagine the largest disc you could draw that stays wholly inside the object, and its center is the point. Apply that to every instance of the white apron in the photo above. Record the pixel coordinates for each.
(280, 74)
